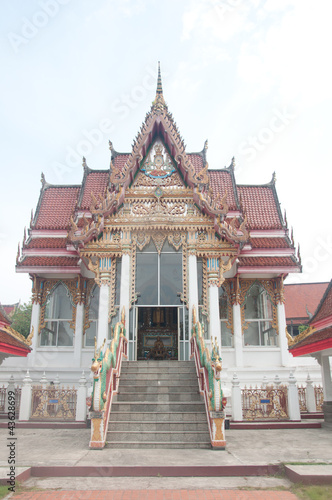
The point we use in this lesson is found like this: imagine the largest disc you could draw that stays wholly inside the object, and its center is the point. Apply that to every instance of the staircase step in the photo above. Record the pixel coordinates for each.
(158, 397)
(159, 436)
(171, 417)
(165, 381)
(157, 389)
(158, 375)
(155, 444)
(153, 426)
(163, 363)
(158, 369)
(156, 406)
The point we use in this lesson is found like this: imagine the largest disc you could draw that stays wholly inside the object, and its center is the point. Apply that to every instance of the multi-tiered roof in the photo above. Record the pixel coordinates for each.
(249, 216)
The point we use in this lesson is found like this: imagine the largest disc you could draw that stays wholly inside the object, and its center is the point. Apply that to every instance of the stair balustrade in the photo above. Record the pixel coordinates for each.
(106, 368)
(208, 368)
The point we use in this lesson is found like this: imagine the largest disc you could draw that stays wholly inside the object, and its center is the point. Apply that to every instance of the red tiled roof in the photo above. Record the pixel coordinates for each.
(120, 160)
(3, 316)
(95, 183)
(56, 207)
(298, 297)
(50, 261)
(220, 182)
(267, 261)
(317, 336)
(260, 207)
(9, 309)
(196, 161)
(6, 338)
(47, 243)
(269, 243)
(324, 309)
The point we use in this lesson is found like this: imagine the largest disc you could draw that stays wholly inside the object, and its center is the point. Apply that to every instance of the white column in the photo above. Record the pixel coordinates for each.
(104, 297)
(293, 399)
(326, 376)
(193, 287)
(25, 405)
(283, 344)
(310, 396)
(78, 337)
(213, 278)
(10, 388)
(35, 314)
(105, 266)
(81, 400)
(125, 288)
(236, 399)
(238, 340)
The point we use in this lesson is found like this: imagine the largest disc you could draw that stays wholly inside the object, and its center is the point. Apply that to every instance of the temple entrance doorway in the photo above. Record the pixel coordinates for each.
(159, 333)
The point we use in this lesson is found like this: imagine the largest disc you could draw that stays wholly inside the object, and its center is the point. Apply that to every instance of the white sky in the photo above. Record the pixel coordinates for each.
(253, 77)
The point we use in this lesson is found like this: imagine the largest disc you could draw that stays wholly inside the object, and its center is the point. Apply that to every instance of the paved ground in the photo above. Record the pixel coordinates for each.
(158, 495)
(67, 447)
(262, 446)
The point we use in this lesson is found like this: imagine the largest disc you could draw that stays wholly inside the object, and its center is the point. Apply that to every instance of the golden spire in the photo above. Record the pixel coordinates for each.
(159, 84)
(159, 104)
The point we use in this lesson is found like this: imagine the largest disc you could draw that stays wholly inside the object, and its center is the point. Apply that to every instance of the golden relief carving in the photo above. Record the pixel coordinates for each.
(185, 294)
(227, 285)
(111, 307)
(133, 296)
(205, 298)
(157, 209)
(270, 288)
(142, 180)
(90, 283)
(48, 286)
(219, 436)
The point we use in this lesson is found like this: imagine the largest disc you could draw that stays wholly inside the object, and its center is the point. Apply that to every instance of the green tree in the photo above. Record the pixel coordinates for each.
(22, 318)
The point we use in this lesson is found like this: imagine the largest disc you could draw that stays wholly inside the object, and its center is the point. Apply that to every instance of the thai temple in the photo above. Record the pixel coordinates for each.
(157, 240)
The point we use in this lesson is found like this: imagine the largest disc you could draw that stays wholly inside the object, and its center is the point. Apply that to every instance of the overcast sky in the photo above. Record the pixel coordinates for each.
(252, 76)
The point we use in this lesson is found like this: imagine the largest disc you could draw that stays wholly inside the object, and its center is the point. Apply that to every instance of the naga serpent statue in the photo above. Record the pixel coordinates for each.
(213, 365)
(101, 364)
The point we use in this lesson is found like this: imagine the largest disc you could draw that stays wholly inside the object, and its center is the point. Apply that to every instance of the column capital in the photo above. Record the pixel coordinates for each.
(213, 271)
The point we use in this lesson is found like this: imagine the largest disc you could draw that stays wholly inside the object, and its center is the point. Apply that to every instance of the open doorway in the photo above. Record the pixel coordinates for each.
(157, 333)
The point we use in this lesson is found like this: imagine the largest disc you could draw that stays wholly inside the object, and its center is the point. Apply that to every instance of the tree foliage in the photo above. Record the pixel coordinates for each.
(22, 319)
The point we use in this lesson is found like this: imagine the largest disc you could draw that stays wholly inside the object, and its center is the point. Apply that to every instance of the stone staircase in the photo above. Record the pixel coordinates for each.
(158, 406)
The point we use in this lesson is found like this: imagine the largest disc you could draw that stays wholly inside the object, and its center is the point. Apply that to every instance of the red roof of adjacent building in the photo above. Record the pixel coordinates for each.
(11, 342)
(301, 299)
(57, 204)
(260, 207)
(324, 309)
(321, 338)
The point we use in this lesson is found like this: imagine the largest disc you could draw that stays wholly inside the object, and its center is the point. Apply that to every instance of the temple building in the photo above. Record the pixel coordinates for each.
(155, 235)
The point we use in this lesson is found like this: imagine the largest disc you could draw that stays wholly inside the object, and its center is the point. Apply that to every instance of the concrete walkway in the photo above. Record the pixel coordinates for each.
(70, 468)
(177, 494)
(67, 447)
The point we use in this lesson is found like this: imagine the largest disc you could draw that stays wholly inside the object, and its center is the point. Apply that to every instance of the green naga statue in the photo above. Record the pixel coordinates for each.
(212, 363)
(101, 364)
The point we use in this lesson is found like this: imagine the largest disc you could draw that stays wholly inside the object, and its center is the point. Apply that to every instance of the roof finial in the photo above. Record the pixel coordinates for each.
(159, 84)
(159, 105)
